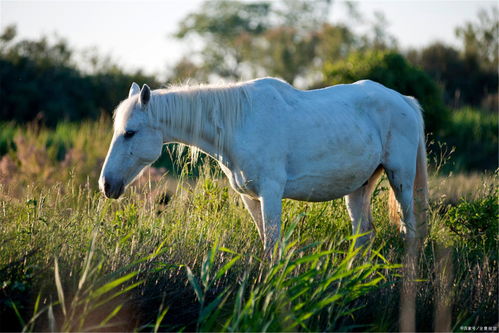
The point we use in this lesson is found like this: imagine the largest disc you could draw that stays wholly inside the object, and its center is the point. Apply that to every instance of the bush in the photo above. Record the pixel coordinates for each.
(474, 134)
(476, 221)
(392, 70)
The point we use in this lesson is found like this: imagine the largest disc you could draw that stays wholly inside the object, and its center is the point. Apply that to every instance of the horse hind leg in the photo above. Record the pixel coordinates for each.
(359, 208)
(401, 177)
(402, 183)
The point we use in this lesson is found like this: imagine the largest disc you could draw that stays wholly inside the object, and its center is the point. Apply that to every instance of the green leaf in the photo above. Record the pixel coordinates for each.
(159, 319)
(195, 285)
(58, 284)
(111, 315)
(88, 259)
(18, 314)
(207, 310)
(226, 267)
(327, 301)
(113, 296)
(113, 284)
(312, 257)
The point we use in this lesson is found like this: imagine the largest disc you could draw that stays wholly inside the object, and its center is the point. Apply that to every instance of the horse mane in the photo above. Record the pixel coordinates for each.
(198, 109)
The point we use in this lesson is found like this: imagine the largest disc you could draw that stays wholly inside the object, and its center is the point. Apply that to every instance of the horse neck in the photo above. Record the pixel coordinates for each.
(205, 141)
(192, 121)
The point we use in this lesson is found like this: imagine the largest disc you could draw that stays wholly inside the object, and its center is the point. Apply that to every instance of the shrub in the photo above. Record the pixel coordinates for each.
(474, 134)
(476, 221)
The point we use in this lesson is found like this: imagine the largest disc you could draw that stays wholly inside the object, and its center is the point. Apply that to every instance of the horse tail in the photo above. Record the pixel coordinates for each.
(421, 192)
(394, 209)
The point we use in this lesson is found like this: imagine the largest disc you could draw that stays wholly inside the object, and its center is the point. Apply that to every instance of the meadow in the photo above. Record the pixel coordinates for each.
(178, 253)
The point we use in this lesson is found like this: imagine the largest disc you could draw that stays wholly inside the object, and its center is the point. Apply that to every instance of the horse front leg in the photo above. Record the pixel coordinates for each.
(255, 209)
(271, 202)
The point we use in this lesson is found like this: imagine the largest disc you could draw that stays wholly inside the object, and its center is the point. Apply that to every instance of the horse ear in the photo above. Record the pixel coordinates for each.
(134, 89)
(145, 95)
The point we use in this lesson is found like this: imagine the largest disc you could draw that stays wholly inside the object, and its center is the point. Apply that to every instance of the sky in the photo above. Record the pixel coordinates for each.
(138, 34)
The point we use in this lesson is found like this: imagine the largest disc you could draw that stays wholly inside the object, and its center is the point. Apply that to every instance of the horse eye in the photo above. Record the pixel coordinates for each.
(128, 134)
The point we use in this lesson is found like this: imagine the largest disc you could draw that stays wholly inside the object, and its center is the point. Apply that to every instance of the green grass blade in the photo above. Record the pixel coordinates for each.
(88, 260)
(51, 319)
(159, 319)
(113, 284)
(18, 314)
(113, 296)
(195, 285)
(208, 310)
(226, 267)
(58, 284)
(111, 315)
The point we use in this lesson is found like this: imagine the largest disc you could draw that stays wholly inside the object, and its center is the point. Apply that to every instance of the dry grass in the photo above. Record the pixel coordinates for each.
(454, 188)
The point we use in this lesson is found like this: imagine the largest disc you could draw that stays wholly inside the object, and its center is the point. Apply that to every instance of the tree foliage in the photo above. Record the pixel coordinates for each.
(481, 39)
(40, 80)
(288, 39)
(463, 79)
(224, 26)
(468, 76)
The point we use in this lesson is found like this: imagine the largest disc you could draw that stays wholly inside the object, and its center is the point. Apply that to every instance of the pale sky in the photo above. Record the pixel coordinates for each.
(137, 34)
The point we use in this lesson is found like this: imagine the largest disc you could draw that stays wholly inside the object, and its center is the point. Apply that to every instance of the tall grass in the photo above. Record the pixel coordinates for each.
(71, 260)
(206, 241)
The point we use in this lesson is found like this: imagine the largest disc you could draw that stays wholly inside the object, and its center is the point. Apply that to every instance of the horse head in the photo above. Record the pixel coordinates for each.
(136, 142)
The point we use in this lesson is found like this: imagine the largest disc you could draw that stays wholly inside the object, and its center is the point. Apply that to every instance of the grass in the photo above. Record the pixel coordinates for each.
(71, 260)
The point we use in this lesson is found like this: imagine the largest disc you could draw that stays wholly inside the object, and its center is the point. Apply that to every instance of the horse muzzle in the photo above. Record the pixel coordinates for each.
(112, 188)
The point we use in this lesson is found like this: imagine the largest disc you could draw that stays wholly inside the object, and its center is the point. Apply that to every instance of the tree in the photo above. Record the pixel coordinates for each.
(481, 39)
(392, 70)
(288, 39)
(462, 79)
(225, 26)
(40, 80)
(481, 48)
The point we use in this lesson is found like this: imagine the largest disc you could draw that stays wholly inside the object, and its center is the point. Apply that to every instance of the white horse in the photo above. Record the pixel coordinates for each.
(273, 141)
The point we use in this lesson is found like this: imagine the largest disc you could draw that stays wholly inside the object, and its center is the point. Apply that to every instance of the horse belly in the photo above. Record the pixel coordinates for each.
(330, 178)
(319, 188)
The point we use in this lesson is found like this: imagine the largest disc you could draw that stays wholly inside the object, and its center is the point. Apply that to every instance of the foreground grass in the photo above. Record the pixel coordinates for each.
(74, 261)
(71, 260)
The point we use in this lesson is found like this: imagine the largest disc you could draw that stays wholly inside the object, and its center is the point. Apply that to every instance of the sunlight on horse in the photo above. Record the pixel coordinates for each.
(273, 141)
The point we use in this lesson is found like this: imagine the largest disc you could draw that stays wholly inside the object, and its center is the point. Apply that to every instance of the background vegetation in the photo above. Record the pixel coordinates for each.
(189, 257)
(42, 80)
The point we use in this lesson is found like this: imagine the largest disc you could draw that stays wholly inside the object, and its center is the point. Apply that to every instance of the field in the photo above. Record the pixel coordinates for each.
(178, 254)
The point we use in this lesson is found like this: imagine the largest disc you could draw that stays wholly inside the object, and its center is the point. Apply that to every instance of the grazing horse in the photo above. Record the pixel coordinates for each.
(273, 141)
